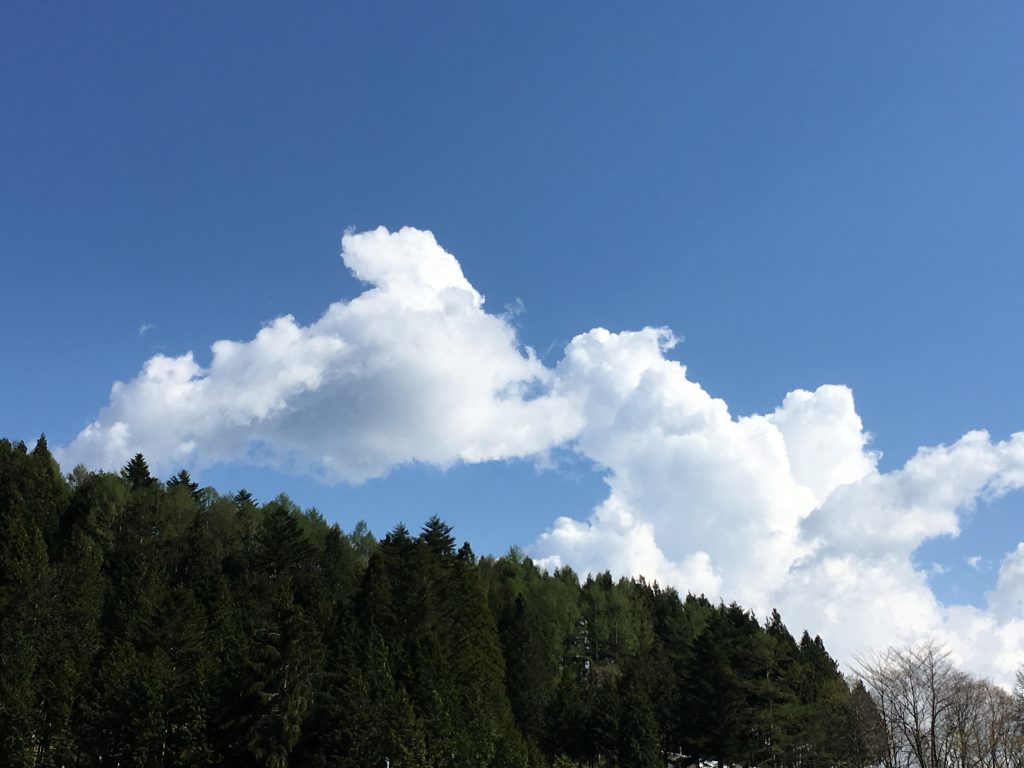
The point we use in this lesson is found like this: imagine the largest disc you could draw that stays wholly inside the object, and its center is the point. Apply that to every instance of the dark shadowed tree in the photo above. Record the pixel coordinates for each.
(136, 473)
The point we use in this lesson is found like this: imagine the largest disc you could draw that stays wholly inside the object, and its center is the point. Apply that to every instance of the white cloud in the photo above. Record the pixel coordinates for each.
(413, 369)
(1007, 598)
(974, 561)
(870, 529)
(707, 484)
(786, 509)
(825, 439)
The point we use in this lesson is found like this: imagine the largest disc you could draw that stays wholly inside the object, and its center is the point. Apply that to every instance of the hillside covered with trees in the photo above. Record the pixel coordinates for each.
(150, 623)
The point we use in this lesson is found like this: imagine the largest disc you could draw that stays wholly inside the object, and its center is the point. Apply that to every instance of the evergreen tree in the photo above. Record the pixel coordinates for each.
(438, 539)
(46, 490)
(244, 498)
(136, 473)
(821, 690)
(285, 653)
(637, 727)
(32, 493)
(487, 733)
(69, 647)
(25, 589)
(153, 626)
(184, 480)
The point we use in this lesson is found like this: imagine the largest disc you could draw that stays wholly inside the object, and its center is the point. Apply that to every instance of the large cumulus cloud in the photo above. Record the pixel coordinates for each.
(785, 509)
(413, 369)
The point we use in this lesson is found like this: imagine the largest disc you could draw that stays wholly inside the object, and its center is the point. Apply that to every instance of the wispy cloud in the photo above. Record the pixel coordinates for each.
(513, 310)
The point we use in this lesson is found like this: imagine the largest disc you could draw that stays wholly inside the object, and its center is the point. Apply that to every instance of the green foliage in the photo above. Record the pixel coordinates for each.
(136, 473)
(184, 481)
(146, 624)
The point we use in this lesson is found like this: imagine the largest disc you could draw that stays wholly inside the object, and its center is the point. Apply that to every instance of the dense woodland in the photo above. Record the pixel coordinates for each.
(150, 623)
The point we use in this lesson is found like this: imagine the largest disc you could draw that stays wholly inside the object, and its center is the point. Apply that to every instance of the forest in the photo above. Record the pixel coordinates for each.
(156, 623)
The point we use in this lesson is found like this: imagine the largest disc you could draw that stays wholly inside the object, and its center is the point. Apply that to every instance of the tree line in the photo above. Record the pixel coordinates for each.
(150, 623)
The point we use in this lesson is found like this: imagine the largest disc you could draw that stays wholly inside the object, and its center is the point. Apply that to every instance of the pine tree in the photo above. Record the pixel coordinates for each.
(69, 647)
(286, 652)
(152, 626)
(184, 480)
(25, 588)
(437, 536)
(818, 683)
(244, 498)
(174, 640)
(638, 742)
(25, 602)
(136, 473)
(45, 490)
(486, 735)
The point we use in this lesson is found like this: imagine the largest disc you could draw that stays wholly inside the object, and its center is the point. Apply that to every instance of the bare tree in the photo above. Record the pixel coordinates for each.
(966, 723)
(915, 690)
(936, 716)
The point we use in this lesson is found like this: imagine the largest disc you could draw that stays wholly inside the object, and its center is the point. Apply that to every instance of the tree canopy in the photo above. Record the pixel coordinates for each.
(154, 624)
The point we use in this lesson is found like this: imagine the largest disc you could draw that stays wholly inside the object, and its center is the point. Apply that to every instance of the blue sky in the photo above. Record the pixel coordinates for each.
(805, 193)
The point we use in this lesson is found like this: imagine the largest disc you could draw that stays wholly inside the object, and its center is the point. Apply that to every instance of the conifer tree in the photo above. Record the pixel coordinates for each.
(25, 589)
(69, 646)
(32, 494)
(184, 480)
(45, 489)
(637, 728)
(285, 654)
(153, 626)
(243, 498)
(438, 539)
(487, 733)
(136, 473)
